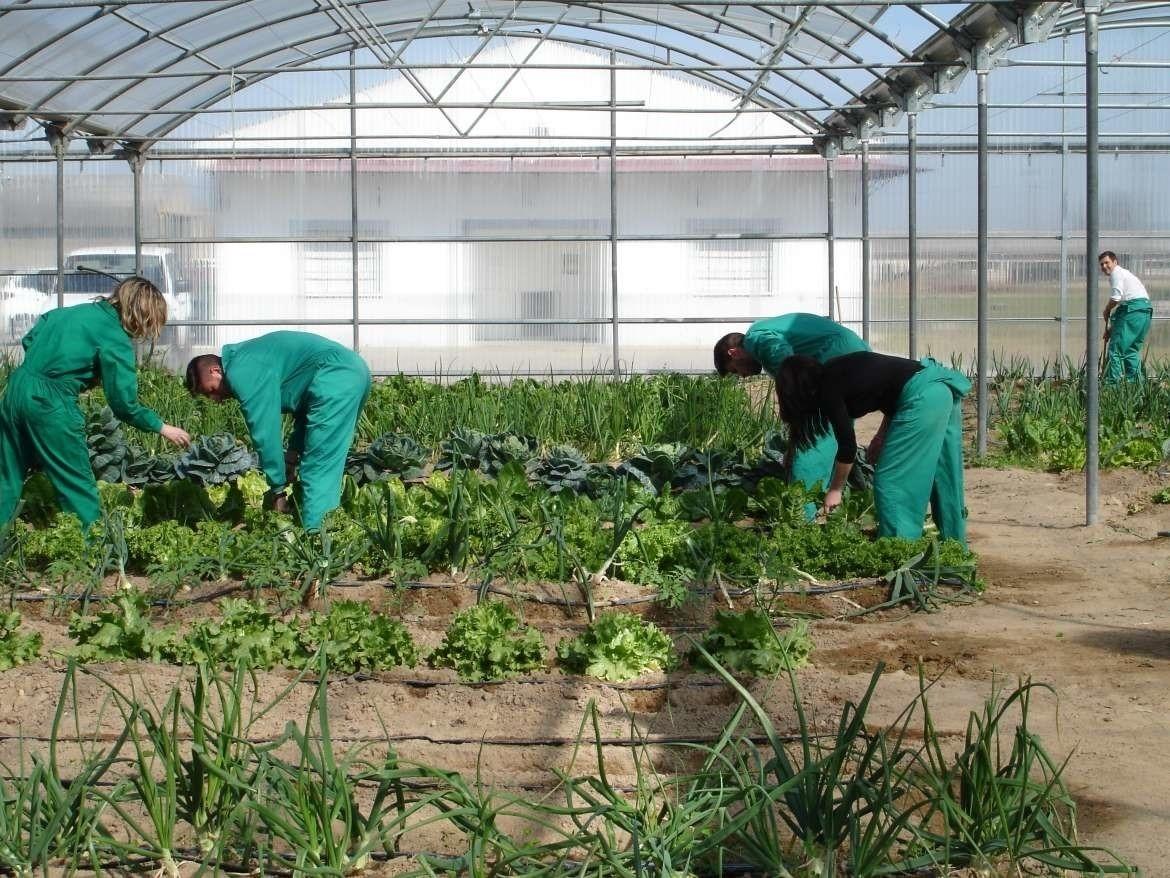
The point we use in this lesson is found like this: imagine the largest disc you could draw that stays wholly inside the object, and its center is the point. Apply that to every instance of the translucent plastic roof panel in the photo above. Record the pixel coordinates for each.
(138, 69)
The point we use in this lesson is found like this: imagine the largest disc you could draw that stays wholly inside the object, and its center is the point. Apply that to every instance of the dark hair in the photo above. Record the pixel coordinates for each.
(723, 352)
(1105, 253)
(798, 387)
(197, 367)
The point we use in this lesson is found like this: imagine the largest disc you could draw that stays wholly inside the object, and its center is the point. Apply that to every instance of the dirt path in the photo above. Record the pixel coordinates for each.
(1083, 609)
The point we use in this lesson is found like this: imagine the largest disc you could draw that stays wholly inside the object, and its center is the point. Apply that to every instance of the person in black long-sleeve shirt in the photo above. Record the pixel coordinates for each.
(918, 450)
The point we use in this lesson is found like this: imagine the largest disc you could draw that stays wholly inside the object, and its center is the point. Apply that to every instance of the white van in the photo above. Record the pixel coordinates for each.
(27, 296)
(158, 267)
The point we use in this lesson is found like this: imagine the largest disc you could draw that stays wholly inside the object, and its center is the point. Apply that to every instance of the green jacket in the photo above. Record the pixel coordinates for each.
(74, 347)
(771, 341)
(270, 375)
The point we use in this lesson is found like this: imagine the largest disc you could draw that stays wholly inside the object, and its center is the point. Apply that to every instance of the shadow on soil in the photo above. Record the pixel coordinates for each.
(1150, 643)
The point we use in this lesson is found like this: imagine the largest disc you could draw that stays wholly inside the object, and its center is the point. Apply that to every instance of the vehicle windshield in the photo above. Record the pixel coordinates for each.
(121, 265)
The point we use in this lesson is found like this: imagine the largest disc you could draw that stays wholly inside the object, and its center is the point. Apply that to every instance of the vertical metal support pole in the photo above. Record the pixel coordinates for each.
(865, 291)
(1063, 315)
(353, 201)
(58, 141)
(912, 234)
(831, 238)
(1092, 236)
(613, 213)
(981, 364)
(135, 160)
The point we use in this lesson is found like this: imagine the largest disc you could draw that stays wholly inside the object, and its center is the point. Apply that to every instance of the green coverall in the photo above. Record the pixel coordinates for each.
(323, 385)
(41, 426)
(1128, 325)
(922, 458)
(769, 342)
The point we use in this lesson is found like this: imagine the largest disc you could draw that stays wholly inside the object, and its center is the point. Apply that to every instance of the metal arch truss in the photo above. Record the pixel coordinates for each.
(788, 59)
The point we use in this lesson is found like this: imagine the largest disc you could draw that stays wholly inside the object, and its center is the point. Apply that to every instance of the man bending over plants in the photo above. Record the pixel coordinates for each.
(766, 345)
(321, 383)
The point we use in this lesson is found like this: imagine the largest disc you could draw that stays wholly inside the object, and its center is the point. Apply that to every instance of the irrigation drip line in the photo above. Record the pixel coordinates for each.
(688, 681)
(194, 855)
(414, 585)
(557, 741)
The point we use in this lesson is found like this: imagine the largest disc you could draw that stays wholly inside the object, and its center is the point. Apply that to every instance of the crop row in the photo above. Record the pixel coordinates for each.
(1040, 421)
(460, 521)
(486, 641)
(184, 782)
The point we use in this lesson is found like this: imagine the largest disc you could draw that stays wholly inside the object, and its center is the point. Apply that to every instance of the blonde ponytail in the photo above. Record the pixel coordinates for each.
(141, 307)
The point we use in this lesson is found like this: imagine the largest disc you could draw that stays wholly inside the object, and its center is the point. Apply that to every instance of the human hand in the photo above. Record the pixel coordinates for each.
(832, 501)
(177, 436)
(277, 501)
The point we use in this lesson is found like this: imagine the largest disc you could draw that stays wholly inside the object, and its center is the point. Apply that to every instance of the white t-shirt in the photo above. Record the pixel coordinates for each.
(1124, 286)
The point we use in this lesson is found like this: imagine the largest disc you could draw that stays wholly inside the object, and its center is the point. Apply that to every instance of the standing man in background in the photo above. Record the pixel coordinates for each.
(321, 383)
(1131, 310)
(765, 345)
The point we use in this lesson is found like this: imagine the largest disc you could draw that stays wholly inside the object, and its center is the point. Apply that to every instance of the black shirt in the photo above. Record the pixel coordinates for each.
(857, 384)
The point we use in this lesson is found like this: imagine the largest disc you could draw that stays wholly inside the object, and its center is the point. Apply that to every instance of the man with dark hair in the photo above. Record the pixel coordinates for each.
(1131, 311)
(766, 345)
(321, 383)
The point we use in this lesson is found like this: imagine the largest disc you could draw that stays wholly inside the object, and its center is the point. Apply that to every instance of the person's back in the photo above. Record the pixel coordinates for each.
(769, 342)
(65, 344)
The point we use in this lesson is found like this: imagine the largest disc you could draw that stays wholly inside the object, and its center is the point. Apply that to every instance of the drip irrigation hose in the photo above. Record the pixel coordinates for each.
(416, 585)
(556, 741)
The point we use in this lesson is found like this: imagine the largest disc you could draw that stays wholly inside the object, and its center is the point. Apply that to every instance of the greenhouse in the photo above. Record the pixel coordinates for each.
(573, 610)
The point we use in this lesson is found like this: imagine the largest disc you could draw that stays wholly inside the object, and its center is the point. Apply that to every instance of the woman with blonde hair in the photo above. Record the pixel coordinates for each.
(67, 351)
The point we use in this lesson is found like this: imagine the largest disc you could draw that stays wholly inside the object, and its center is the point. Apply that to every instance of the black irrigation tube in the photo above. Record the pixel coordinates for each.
(578, 681)
(415, 585)
(557, 741)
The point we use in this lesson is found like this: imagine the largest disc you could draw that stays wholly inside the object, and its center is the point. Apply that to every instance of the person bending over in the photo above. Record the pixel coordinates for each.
(321, 383)
(766, 345)
(918, 453)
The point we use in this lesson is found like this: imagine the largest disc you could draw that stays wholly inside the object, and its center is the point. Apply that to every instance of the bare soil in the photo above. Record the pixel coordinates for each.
(1080, 608)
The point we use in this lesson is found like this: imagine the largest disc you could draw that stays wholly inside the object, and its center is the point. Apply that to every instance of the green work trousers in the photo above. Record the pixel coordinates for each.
(1128, 326)
(922, 457)
(335, 397)
(812, 467)
(41, 427)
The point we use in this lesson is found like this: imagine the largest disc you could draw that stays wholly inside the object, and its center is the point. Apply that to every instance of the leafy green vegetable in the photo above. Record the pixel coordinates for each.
(246, 633)
(488, 642)
(564, 468)
(617, 646)
(120, 632)
(748, 643)
(16, 648)
(214, 460)
(355, 639)
(390, 455)
(461, 450)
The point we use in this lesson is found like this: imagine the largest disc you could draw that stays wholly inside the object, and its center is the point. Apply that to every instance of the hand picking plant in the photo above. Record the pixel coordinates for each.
(748, 643)
(618, 647)
(488, 642)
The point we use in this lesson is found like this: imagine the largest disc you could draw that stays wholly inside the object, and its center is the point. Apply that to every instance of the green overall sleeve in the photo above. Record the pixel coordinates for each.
(258, 391)
(120, 381)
